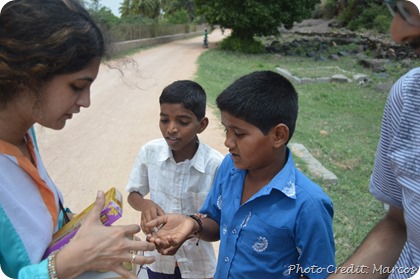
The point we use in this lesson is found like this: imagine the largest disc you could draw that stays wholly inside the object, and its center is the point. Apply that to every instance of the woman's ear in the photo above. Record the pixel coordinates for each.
(281, 135)
(203, 124)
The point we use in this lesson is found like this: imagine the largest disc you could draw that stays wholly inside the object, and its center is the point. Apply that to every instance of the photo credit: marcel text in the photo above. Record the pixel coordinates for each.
(352, 269)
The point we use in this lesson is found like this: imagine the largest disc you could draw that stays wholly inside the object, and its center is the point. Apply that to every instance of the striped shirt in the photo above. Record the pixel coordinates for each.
(396, 175)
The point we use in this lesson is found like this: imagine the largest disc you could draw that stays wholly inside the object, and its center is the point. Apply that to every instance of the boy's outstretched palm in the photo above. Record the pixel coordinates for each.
(170, 231)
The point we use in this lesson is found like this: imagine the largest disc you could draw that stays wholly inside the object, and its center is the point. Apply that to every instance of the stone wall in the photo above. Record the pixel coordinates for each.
(128, 45)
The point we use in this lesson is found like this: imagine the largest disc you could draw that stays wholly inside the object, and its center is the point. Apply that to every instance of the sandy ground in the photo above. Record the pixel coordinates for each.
(97, 148)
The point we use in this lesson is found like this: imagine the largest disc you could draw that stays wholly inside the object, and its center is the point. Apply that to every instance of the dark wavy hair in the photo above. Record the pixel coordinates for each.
(40, 39)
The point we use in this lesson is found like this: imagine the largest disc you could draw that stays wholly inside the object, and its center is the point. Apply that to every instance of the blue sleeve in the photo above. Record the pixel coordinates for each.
(212, 204)
(36, 271)
(315, 238)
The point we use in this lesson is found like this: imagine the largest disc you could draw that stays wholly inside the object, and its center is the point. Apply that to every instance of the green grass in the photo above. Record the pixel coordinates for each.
(315, 72)
(350, 114)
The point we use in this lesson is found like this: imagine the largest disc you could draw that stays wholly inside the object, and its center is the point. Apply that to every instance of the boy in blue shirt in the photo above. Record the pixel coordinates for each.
(272, 221)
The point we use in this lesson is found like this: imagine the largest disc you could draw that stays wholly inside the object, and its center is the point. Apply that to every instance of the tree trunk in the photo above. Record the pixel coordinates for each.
(190, 11)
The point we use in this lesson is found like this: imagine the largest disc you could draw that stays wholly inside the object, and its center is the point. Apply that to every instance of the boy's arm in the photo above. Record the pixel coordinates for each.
(211, 230)
(172, 230)
(315, 239)
(149, 209)
(382, 246)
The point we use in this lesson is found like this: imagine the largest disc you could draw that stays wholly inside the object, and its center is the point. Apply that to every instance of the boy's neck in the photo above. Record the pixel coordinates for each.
(186, 153)
(258, 178)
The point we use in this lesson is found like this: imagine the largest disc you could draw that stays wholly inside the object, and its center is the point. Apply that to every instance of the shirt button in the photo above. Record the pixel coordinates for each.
(226, 259)
(234, 231)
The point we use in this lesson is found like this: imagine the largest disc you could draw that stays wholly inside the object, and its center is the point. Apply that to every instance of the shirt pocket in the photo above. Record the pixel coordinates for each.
(260, 239)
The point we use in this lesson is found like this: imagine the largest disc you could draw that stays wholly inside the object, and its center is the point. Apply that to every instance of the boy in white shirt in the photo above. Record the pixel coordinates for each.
(178, 172)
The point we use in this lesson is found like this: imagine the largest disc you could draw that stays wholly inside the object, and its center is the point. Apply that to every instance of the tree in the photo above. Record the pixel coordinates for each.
(147, 8)
(172, 7)
(104, 17)
(125, 8)
(247, 18)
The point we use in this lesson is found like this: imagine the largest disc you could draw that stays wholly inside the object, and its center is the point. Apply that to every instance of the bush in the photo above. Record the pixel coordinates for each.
(178, 17)
(382, 23)
(237, 44)
(331, 9)
(358, 16)
(328, 10)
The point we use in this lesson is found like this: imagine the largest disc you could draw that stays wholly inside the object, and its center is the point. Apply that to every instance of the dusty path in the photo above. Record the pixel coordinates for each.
(97, 148)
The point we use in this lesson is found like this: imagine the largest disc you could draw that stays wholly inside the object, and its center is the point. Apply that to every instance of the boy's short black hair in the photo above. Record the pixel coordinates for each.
(263, 99)
(188, 93)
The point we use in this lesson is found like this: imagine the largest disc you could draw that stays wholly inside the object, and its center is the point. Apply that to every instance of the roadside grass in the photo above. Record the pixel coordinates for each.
(338, 123)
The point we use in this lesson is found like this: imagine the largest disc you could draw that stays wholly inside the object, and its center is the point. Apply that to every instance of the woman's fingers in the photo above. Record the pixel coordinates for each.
(124, 272)
(141, 246)
(130, 230)
(95, 214)
(141, 260)
(138, 260)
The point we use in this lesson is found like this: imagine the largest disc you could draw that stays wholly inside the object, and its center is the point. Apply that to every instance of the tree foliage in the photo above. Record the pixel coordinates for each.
(173, 8)
(145, 8)
(125, 8)
(362, 13)
(104, 17)
(175, 11)
(255, 17)
(359, 15)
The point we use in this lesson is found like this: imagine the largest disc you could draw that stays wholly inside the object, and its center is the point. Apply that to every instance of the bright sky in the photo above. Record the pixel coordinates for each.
(114, 5)
(3, 2)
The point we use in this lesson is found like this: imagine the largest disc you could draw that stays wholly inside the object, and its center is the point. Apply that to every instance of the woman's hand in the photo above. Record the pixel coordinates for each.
(98, 247)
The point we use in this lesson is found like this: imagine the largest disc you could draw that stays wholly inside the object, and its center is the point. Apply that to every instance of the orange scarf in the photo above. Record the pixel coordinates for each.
(31, 170)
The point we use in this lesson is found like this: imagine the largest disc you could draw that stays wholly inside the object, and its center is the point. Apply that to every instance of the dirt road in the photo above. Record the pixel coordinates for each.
(97, 148)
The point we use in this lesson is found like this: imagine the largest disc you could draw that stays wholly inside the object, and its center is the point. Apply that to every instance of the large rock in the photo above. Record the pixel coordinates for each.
(315, 168)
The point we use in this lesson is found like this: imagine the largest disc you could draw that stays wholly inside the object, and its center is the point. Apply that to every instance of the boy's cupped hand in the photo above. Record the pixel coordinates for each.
(169, 232)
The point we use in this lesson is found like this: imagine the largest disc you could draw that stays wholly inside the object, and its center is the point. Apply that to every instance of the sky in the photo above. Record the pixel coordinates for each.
(112, 4)
(3, 2)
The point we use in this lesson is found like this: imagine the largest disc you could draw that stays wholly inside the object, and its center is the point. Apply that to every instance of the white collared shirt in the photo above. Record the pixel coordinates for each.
(178, 188)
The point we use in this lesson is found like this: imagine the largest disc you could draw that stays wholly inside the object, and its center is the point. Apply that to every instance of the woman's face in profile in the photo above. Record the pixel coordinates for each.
(64, 95)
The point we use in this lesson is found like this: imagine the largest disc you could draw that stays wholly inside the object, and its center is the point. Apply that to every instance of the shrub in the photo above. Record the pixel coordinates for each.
(331, 8)
(358, 16)
(178, 17)
(237, 44)
(382, 23)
